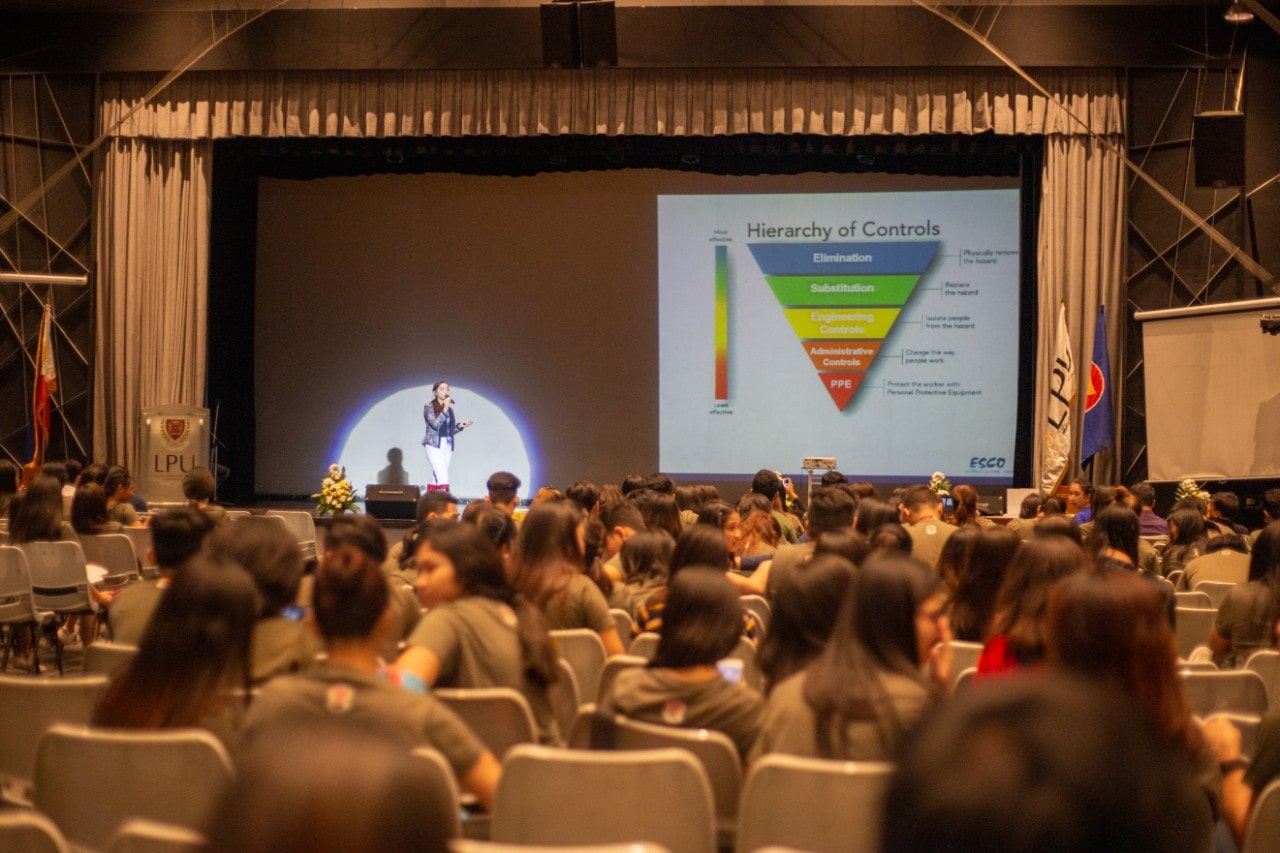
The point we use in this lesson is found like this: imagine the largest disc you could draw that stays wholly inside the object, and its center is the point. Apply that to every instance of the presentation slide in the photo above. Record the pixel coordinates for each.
(880, 329)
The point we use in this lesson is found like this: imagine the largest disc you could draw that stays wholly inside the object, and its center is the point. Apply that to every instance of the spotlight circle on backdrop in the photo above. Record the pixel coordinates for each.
(492, 443)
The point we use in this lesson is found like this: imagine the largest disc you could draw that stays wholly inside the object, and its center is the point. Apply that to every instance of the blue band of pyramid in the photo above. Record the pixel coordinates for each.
(843, 258)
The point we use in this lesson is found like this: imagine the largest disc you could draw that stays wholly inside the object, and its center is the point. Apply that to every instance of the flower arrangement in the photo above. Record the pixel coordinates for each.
(1189, 488)
(939, 483)
(336, 494)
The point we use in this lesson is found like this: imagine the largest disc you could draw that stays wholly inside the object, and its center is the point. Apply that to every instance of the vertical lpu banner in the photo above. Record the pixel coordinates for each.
(174, 440)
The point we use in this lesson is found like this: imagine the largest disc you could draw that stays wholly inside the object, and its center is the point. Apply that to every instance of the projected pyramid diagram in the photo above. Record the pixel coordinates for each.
(842, 299)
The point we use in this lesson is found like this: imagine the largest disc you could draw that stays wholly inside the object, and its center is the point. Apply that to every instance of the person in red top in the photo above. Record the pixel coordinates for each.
(1017, 639)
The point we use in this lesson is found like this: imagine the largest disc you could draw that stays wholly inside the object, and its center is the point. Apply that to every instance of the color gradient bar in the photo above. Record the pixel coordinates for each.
(722, 322)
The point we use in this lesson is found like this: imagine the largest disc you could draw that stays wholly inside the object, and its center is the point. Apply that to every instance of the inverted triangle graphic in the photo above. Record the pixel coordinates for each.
(842, 300)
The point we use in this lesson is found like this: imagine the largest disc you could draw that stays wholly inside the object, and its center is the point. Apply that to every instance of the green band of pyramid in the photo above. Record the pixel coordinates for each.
(794, 290)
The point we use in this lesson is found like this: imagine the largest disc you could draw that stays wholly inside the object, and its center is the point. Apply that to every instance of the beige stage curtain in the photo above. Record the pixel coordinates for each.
(153, 264)
(1081, 247)
(153, 206)
(610, 101)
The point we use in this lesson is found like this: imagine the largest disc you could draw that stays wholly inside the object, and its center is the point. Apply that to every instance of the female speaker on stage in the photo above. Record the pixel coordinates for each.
(442, 425)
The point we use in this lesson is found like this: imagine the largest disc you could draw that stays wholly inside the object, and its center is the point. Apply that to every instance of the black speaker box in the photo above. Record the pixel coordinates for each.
(560, 35)
(1219, 149)
(391, 501)
(598, 32)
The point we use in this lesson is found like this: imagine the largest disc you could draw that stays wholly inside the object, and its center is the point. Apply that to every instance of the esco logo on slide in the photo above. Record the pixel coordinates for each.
(982, 463)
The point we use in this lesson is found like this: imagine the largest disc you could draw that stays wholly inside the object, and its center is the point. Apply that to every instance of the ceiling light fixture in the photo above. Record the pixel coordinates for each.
(1237, 13)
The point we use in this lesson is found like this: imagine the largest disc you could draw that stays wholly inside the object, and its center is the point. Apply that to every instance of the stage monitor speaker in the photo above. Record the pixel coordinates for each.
(1219, 149)
(391, 501)
(598, 33)
(560, 35)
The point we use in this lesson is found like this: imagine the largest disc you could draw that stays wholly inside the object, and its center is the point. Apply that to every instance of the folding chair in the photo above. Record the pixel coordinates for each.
(139, 835)
(758, 607)
(1237, 691)
(107, 658)
(1266, 662)
(499, 716)
(714, 751)
(964, 656)
(59, 582)
(646, 645)
(655, 795)
(1216, 590)
(17, 606)
(115, 553)
(1194, 598)
(27, 831)
(440, 782)
(813, 804)
(584, 651)
(31, 706)
(612, 667)
(142, 541)
(176, 776)
(1193, 627)
(302, 525)
(626, 627)
(1262, 833)
(564, 697)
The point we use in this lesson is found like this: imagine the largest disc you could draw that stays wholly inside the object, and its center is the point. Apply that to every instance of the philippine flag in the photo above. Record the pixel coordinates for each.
(45, 385)
(1099, 422)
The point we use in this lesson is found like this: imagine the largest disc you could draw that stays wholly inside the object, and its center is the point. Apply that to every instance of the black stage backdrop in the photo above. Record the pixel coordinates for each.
(618, 434)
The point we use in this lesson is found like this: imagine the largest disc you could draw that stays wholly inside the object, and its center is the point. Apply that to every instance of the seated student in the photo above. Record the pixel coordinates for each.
(923, 509)
(504, 491)
(1016, 639)
(1041, 764)
(477, 631)
(176, 536)
(356, 687)
(118, 486)
(548, 569)
(621, 521)
(645, 557)
(681, 686)
(89, 514)
(362, 532)
(699, 545)
(776, 491)
(1223, 512)
(270, 554)
(326, 787)
(1247, 615)
(199, 488)
(831, 509)
(8, 485)
(1112, 627)
(805, 604)
(858, 698)
(439, 503)
(1226, 561)
(1025, 524)
(1149, 524)
(192, 656)
(1270, 512)
(1187, 538)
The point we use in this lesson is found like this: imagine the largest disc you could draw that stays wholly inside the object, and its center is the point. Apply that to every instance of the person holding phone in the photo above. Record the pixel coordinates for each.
(442, 426)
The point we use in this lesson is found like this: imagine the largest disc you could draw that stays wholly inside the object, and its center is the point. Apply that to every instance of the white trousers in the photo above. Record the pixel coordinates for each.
(439, 457)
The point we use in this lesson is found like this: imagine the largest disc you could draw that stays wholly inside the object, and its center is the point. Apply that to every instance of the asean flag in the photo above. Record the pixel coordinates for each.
(1099, 422)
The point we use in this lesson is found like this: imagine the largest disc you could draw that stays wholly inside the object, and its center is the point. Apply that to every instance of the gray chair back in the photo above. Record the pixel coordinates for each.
(1193, 627)
(659, 795)
(115, 553)
(31, 706)
(499, 716)
(584, 651)
(813, 804)
(1237, 691)
(176, 776)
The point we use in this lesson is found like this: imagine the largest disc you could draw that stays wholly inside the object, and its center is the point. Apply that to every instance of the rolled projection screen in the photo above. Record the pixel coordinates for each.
(1212, 391)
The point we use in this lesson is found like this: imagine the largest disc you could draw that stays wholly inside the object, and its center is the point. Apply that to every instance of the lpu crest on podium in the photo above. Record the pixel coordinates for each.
(173, 440)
